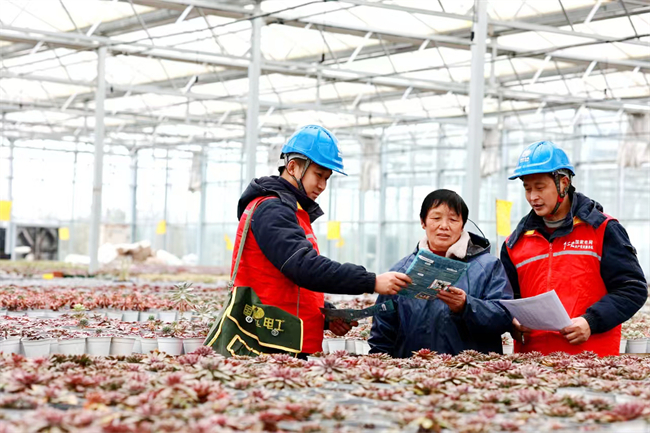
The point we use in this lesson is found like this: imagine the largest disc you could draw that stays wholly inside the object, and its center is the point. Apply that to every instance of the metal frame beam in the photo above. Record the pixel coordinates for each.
(96, 210)
(471, 190)
(253, 106)
(337, 74)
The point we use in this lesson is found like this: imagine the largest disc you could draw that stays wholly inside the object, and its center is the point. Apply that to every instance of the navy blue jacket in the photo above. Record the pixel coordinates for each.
(620, 270)
(417, 324)
(283, 242)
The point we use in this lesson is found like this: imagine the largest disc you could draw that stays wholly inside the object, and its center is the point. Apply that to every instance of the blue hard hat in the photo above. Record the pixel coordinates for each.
(318, 144)
(542, 157)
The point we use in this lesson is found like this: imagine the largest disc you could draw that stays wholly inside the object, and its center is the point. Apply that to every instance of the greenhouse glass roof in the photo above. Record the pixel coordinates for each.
(177, 71)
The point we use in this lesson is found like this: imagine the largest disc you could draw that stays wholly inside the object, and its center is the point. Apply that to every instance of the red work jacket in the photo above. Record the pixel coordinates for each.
(273, 288)
(570, 265)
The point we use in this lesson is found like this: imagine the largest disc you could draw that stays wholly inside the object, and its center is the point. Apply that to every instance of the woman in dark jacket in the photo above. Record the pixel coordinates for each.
(466, 317)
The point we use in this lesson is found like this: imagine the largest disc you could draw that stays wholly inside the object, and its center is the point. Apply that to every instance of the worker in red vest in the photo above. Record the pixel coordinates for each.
(281, 260)
(567, 244)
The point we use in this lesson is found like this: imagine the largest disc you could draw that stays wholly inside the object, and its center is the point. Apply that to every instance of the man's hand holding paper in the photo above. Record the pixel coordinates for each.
(578, 332)
(543, 312)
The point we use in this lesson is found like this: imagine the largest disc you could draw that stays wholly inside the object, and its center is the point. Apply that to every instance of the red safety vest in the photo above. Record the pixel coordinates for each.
(570, 265)
(273, 288)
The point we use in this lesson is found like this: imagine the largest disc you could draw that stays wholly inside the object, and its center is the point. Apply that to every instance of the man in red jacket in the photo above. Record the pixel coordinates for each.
(567, 244)
(281, 261)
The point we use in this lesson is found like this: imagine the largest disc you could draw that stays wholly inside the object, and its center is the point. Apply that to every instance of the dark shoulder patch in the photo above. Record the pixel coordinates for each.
(630, 248)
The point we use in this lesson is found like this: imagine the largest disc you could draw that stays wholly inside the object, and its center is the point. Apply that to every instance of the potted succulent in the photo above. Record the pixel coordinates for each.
(507, 344)
(122, 345)
(167, 312)
(170, 340)
(10, 344)
(637, 341)
(98, 343)
(183, 299)
(148, 342)
(70, 342)
(36, 343)
(193, 339)
(129, 313)
(361, 345)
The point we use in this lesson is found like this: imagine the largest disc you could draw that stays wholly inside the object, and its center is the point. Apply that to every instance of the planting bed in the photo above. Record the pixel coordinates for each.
(203, 392)
(52, 383)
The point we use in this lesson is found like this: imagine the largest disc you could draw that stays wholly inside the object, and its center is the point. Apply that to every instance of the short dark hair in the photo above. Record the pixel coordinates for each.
(299, 161)
(447, 197)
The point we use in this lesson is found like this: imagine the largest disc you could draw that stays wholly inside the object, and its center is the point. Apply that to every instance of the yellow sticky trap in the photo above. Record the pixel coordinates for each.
(5, 210)
(64, 234)
(161, 228)
(48, 276)
(340, 243)
(503, 217)
(333, 230)
(229, 245)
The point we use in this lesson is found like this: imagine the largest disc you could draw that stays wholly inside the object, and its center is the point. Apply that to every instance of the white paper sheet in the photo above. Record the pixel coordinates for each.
(543, 312)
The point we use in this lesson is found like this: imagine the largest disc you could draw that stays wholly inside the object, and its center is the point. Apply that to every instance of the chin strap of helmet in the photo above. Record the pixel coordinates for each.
(304, 170)
(557, 176)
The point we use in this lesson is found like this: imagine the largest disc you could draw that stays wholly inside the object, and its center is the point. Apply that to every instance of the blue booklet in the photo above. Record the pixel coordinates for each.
(431, 274)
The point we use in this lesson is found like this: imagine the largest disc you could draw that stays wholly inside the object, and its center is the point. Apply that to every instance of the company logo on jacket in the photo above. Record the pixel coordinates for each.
(580, 244)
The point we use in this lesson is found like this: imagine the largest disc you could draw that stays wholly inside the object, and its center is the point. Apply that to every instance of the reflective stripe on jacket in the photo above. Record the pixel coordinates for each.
(273, 288)
(570, 265)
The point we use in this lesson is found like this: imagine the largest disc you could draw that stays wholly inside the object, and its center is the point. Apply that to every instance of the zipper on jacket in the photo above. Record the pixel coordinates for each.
(550, 258)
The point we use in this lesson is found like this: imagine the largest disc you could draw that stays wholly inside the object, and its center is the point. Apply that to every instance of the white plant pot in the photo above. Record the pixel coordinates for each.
(54, 314)
(10, 345)
(144, 315)
(167, 316)
(73, 346)
(326, 347)
(149, 344)
(114, 315)
(170, 345)
(3, 312)
(336, 344)
(98, 346)
(54, 347)
(363, 346)
(637, 346)
(191, 344)
(15, 313)
(623, 346)
(122, 346)
(35, 313)
(130, 316)
(358, 347)
(508, 349)
(37, 348)
(137, 346)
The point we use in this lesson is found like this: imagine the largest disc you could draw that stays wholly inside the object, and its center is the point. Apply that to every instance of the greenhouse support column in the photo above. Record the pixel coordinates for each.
(96, 210)
(381, 232)
(620, 196)
(360, 257)
(72, 238)
(134, 194)
(331, 211)
(10, 244)
(439, 157)
(201, 228)
(252, 115)
(475, 118)
(166, 201)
